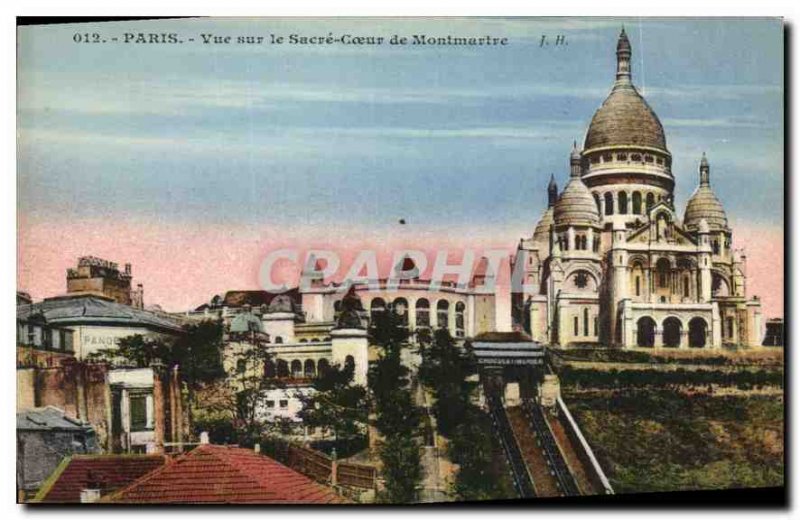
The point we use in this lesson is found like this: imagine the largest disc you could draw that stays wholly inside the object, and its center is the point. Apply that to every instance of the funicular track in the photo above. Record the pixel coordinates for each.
(554, 456)
(519, 470)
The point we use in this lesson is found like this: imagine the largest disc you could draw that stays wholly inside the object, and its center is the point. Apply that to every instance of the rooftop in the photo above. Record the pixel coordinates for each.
(78, 309)
(106, 472)
(212, 474)
(48, 418)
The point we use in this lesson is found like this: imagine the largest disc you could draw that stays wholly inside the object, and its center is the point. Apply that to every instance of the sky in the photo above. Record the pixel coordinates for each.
(193, 161)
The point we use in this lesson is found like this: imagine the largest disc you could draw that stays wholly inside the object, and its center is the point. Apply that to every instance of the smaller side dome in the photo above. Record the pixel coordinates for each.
(541, 235)
(704, 204)
(576, 205)
(281, 303)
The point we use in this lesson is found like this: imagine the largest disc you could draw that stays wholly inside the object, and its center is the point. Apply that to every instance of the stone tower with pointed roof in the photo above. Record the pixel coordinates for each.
(610, 262)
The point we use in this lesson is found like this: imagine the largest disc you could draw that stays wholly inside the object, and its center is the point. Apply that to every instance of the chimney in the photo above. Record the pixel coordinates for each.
(204, 438)
(127, 268)
(257, 448)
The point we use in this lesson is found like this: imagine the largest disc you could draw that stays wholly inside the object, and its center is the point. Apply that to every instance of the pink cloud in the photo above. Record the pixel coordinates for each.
(184, 265)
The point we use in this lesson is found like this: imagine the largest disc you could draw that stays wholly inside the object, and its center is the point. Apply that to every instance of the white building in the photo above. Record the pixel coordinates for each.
(612, 262)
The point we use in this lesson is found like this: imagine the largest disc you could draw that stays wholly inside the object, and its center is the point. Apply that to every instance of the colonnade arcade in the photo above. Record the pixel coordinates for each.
(423, 313)
(672, 332)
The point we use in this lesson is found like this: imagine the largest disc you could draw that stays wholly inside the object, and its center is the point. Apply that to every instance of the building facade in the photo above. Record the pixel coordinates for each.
(98, 276)
(613, 262)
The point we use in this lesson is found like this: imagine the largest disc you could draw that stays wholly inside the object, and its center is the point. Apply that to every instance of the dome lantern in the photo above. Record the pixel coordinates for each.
(705, 171)
(624, 53)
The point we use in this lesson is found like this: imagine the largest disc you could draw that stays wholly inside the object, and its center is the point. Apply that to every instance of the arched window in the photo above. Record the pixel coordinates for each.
(322, 366)
(442, 314)
(241, 366)
(309, 368)
(423, 308)
(297, 368)
(651, 201)
(608, 201)
(278, 340)
(637, 203)
(400, 307)
(575, 326)
(269, 369)
(686, 286)
(585, 322)
(662, 270)
(638, 286)
(460, 319)
(623, 202)
(597, 202)
(376, 307)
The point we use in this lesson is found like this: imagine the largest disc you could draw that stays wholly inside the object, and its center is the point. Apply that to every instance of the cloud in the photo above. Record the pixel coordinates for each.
(717, 122)
(716, 92)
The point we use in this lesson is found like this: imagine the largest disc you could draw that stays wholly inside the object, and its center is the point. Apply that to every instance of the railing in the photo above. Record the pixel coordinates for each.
(310, 463)
(519, 470)
(322, 468)
(356, 475)
(555, 458)
(585, 453)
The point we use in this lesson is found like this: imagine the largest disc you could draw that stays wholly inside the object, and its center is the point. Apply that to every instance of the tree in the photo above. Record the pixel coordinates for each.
(397, 418)
(336, 404)
(472, 447)
(446, 370)
(249, 382)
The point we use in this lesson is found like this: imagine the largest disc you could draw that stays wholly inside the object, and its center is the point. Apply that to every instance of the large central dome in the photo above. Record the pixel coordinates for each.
(625, 119)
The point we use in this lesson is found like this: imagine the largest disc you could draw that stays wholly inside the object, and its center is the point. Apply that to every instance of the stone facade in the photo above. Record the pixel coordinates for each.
(611, 262)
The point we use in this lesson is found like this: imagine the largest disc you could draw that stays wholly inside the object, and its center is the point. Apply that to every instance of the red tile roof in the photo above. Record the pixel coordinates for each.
(223, 474)
(109, 472)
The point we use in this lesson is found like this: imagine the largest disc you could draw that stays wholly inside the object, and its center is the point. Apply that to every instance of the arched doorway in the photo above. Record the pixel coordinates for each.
(672, 332)
(698, 331)
(646, 332)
